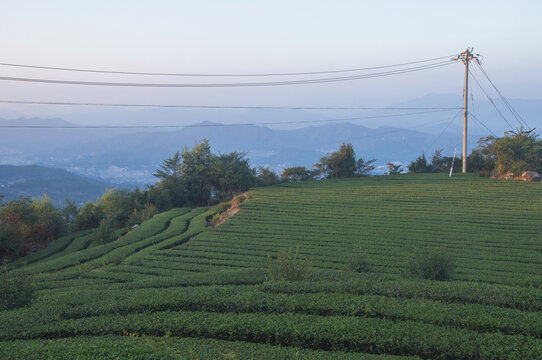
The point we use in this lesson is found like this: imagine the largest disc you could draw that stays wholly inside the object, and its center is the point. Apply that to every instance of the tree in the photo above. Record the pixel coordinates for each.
(393, 169)
(27, 225)
(438, 162)
(196, 172)
(297, 173)
(69, 212)
(88, 217)
(342, 163)
(266, 176)
(479, 161)
(197, 177)
(170, 184)
(338, 164)
(231, 173)
(515, 152)
(117, 205)
(48, 223)
(105, 232)
(420, 165)
(364, 168)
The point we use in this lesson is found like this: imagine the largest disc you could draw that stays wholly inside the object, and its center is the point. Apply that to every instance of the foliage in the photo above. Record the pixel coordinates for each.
(289, 266)
(198, 177)
(88, 217)
(358, 262)
(15, 289)
(116, 205)
(105, 231)
(516, 152)
(137, 217)
(393, 169)
(265, 176)
(342, 163)
(230, 174)
(431, 265)
(364, 168)
(240, 198)
(223, 206)
(170, 184)
(420, 165)
(439, 163)
(27, 225)
(69, 212)
(215, 218)
(479, 162)
(196, 170)
(296, 174)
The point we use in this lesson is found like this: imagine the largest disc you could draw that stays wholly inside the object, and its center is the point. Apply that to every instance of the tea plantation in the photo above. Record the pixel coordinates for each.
(177, 289)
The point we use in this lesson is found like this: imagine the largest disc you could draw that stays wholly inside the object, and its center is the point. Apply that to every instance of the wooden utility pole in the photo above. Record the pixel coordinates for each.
(466, 56)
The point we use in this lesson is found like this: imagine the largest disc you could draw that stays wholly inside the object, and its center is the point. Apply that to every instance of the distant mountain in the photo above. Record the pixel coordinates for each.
(131, 155)
(59, 184)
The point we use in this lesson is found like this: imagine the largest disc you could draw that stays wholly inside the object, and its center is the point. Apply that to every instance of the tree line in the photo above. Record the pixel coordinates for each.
(197, 177)
(191, 177)
(513, 154)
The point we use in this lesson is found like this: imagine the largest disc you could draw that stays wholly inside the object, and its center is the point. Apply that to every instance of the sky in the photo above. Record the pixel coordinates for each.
(273, 36)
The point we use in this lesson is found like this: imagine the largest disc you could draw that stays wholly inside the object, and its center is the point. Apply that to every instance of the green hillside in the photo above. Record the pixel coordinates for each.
(177, 289)
(58, 184)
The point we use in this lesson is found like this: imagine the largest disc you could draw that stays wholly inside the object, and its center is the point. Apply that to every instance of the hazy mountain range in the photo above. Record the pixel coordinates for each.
(131, 155)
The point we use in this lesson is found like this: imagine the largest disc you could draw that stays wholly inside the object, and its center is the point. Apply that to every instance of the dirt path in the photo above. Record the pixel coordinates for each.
(234, 209)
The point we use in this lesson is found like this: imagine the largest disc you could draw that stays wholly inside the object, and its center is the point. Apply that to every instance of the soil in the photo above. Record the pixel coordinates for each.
(234, 209)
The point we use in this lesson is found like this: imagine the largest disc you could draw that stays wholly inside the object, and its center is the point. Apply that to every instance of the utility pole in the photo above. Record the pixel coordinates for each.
(466, 56)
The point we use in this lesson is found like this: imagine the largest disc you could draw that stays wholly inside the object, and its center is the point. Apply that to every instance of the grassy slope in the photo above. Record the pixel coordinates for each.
(172, 278)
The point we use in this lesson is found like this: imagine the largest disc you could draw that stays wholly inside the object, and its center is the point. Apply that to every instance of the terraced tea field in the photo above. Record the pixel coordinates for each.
(176, 289)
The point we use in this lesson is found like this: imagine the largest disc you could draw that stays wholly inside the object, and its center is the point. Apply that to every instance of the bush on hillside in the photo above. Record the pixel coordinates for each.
(358, 262)
(27, 225)
(240, 198)
(137, 217)
(223, 206)
(289, 266)
(15, 290)
(431, 265)
(105, 232)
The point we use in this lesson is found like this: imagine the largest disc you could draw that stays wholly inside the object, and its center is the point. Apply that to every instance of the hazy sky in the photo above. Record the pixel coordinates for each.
(273, 36)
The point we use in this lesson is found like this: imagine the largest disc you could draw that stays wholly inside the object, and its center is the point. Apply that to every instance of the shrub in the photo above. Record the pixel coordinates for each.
(532, 281)
(137, 217)
(358, 262)
(431, 265)
(105, 232)
(215, 218)
(148, 212)
(289, 266)
(223, 206)
(15, 289)
(240, 198)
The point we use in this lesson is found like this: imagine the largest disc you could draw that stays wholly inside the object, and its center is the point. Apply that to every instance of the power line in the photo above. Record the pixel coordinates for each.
(219, 106)
(481, 123)
(153, 162)
(490, 99)
(214, 125)
(241, 84)
(445, 128)
(503, 98)
(384, 133)
(221, 75)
